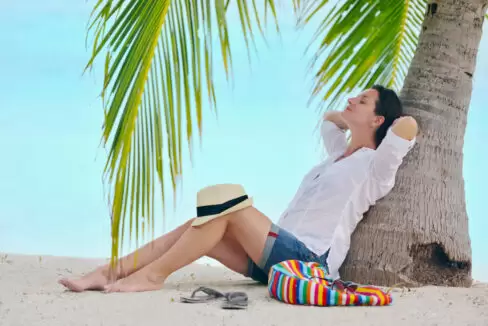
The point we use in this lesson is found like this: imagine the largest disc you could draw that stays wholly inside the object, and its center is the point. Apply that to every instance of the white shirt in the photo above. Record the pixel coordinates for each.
(333, 197)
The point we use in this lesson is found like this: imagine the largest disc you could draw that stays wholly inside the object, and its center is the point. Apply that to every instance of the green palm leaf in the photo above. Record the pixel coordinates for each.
(360, 43)
(159, 58)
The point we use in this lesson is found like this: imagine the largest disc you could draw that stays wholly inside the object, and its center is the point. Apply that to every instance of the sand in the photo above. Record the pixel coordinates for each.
(30, 296)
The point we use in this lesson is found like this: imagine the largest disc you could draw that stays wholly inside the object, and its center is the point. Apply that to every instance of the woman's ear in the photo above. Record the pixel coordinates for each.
(378, 121)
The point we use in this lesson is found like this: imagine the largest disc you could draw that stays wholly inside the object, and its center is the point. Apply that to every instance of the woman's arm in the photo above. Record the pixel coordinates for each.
(336, 118)
(333, 133)
(399, 139)
(405, 127)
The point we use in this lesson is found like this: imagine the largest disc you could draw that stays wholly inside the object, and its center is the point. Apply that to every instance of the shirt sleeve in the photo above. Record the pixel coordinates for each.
(389, 156)
(334, 138)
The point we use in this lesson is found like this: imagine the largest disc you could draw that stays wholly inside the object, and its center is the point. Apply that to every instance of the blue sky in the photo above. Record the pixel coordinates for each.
(51, 194)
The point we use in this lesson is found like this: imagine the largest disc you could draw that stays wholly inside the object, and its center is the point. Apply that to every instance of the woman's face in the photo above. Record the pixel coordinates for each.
(360, 112)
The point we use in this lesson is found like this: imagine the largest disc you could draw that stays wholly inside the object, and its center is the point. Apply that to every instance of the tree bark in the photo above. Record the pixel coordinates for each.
(418, 234)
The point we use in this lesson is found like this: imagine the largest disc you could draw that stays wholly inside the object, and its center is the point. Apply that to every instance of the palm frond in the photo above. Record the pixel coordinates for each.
(361, 43)
(159, 68)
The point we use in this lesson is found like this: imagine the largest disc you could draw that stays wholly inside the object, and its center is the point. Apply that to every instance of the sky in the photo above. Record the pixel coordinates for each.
(52, 200)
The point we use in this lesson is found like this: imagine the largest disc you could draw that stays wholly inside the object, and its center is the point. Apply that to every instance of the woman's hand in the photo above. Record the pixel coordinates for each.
(336, 118)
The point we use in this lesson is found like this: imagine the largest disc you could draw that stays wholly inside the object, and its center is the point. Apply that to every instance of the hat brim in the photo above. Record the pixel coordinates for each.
(204, 219)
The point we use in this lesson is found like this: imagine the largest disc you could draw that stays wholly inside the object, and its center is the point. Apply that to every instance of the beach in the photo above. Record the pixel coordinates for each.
(31, 296)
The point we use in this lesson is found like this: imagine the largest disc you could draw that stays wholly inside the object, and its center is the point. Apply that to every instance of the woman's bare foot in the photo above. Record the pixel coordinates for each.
(140, 281)
(94, 281)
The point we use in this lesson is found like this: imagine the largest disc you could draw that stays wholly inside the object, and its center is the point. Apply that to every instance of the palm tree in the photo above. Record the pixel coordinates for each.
(159, 58)
(419, 233)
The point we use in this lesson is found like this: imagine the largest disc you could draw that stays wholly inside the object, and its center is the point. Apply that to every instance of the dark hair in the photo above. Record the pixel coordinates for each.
(389, 107)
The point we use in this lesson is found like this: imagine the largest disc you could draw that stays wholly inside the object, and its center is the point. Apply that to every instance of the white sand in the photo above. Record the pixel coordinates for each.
(30, 296)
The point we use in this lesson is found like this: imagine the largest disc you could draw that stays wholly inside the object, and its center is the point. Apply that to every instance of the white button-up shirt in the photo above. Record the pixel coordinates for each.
(333, 196)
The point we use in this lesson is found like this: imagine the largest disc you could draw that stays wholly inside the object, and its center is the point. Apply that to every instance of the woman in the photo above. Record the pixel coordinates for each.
(316, 226)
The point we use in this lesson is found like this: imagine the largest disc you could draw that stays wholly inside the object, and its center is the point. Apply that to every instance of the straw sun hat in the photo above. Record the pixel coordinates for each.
(218, 200)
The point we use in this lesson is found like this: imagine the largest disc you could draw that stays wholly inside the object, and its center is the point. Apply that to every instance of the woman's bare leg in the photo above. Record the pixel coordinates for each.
(228, 252)
(249, 227)
(97, 279)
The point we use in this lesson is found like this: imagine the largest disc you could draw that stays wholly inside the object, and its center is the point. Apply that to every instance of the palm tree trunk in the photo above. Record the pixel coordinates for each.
(418, 234)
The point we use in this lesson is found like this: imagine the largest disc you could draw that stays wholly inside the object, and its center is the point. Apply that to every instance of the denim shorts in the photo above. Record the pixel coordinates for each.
(281, 245)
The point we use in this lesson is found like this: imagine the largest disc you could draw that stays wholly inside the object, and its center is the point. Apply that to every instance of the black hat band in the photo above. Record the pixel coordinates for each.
(217, 209)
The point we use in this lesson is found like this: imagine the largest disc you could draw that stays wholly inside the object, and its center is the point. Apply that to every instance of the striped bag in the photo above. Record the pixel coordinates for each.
(308, 283)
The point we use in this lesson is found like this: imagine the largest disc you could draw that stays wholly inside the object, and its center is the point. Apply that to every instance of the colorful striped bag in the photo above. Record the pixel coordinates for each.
(308, 283)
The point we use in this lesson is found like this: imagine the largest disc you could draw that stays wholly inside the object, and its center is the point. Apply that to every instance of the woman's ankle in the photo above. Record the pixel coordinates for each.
(108, 273)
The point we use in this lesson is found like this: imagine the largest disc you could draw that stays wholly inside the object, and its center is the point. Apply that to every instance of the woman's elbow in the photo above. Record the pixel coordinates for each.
(406, 127)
